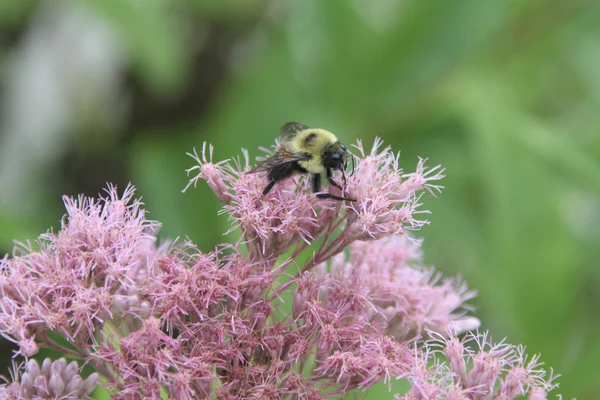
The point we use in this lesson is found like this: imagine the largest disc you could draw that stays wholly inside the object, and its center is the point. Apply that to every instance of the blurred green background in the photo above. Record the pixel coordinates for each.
(505, 94)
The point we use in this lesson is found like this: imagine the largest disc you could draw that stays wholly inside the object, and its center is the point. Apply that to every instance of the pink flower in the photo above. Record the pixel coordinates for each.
(387, 200)
(270, 223)
(174, 321)
(386, 203)
(478, 369)
(410, 298)
(53, 380)
(74, 281)
(212, 173)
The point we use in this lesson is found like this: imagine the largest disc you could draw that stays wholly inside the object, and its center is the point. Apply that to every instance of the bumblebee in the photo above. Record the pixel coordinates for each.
(305, 150)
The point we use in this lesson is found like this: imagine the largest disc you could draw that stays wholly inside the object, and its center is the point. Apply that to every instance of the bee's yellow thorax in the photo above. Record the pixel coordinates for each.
(316, 146)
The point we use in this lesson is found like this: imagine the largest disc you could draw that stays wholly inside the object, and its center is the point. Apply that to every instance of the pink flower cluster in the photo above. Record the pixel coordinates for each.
(53, 380)
(410, 298)
(284, 313)
(476, 368)
(73, 281)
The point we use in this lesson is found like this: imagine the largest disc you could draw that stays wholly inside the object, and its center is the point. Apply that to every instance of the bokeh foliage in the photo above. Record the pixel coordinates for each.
(503, 93)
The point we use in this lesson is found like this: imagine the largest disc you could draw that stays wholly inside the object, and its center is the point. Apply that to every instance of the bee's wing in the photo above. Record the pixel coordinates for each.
(281, 156)
(290, 129)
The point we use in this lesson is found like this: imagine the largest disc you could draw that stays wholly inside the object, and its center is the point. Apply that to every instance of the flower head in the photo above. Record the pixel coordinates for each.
(410, 298)
(387, 204)
(51, 380)
(477, 369)
(77, 277)
(387, 201)
(175, 321)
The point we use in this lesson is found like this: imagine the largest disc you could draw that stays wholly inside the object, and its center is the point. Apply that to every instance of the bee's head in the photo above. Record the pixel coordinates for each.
(335, 156)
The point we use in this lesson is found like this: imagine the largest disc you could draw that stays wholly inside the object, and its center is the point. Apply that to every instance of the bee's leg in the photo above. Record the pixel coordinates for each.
(316, 183)
(317, 189)
(333, 196)
(277, 174)
(330, 179)
(269, 187)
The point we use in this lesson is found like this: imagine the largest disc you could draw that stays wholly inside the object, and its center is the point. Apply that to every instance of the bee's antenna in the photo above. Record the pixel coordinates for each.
(352, 171)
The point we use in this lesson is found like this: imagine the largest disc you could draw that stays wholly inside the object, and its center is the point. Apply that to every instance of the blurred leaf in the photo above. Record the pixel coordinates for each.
(12, 229)
(14, 12)
(150, 35)
(560, 152)
(382, 391)
(229, 10)
(100, 393)
(519, 199)
(431, 39)
(159, 173)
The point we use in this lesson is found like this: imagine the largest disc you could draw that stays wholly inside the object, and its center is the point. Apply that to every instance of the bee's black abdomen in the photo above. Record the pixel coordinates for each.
(282, 171)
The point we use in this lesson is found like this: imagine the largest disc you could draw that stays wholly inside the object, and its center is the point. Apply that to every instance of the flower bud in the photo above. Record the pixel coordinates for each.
(58, 366)
(46, 365)
(70, 371)
(90, 384)
(27, 383)
(33, 368)
(56, 385)
(53, 380)
(75, 386)
(40, 385)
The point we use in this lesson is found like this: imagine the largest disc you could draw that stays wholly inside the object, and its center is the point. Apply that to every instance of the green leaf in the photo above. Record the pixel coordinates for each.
(151, 37)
